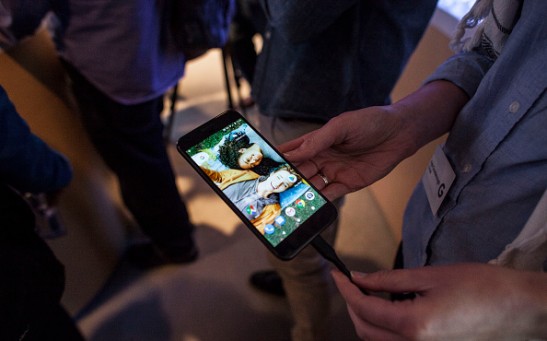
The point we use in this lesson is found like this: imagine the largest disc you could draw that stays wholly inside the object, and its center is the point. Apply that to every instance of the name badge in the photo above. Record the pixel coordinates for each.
(438, 179)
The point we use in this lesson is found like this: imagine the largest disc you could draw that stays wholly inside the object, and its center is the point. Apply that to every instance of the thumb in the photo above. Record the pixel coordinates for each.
(309, 145)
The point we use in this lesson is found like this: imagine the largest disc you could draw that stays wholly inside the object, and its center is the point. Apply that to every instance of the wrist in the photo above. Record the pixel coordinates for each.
(408, 132)
(428, 113)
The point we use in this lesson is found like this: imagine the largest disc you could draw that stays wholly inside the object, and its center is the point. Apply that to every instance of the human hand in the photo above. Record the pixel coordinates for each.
(456, 302)
(352, 150)
(359, 147)
(43, 201)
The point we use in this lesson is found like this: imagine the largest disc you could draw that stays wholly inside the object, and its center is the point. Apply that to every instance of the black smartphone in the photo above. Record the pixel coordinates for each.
(267, 192)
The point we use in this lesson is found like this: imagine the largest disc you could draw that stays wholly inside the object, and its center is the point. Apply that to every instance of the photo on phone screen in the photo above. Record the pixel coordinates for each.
(264, 189)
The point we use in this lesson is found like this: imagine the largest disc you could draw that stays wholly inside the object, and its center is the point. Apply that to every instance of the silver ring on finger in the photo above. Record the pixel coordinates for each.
(324, 178)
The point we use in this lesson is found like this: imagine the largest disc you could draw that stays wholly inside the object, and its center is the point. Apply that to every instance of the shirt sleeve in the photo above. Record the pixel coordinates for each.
(26, 162)
(466, 70)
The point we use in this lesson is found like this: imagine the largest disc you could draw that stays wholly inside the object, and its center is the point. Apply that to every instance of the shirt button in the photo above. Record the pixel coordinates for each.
(267, 34)
(467, 167)
(514, 107)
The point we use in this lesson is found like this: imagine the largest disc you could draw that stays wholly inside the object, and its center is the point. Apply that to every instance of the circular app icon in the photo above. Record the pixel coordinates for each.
(290, 211)
(269, 229)
(309, 195)
(200, 158)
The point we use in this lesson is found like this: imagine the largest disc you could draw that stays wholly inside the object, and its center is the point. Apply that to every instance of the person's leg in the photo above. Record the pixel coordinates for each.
(306, 278)
(129, 139)
(308, 287)
(33, 279)
(241, 46)
(248, 21)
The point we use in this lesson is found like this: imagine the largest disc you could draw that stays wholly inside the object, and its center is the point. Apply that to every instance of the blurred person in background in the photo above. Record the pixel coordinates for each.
(120, 61)
(32, 279)
(318, 60)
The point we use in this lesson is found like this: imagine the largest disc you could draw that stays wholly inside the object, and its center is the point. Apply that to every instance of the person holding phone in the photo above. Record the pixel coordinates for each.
(257, 197)
(281, 208)
(319, 59)
(491, 99)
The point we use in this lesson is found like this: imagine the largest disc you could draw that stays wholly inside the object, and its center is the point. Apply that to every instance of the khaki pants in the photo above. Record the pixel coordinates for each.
(306, 278)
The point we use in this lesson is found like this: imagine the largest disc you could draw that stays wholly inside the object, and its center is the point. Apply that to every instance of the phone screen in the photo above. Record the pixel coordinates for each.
(267, 191)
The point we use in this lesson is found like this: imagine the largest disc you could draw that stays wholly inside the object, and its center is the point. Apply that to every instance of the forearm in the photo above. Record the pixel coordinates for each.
(428, 113)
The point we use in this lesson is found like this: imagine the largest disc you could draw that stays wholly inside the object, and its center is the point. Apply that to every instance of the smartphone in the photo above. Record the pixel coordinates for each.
(272, 198)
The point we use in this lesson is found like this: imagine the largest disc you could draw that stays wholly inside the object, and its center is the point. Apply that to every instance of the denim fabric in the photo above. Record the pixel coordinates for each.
(497, 148)
(334, 56)
(129, 139)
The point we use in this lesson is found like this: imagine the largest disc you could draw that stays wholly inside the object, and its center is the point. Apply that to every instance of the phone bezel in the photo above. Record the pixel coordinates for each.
(298, 239)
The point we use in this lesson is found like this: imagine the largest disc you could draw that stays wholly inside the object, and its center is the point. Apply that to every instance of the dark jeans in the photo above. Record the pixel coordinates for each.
(31, 278)
(56, 324)
(129, 139)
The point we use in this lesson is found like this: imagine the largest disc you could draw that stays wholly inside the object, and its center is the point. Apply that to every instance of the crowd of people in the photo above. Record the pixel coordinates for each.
(473, 253)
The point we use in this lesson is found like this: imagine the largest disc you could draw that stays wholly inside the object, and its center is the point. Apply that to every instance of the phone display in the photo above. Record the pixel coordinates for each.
(268, 193)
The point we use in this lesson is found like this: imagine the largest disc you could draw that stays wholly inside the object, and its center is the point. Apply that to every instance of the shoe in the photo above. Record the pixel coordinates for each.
(147, 256)
(268, 281)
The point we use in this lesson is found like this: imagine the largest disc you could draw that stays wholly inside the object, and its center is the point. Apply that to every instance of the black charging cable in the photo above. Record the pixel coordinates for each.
(327, 251)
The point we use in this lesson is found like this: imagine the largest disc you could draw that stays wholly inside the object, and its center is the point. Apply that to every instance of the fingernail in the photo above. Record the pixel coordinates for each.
(358, 274)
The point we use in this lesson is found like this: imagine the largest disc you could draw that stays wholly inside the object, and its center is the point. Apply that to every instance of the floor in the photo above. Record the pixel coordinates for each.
(211, 298)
